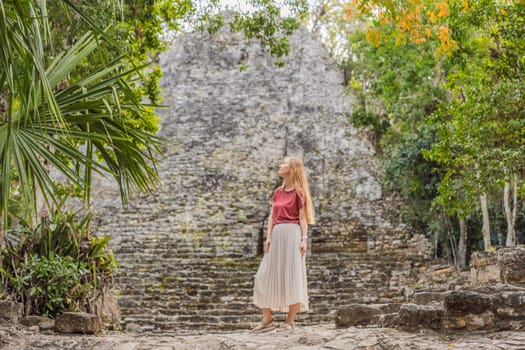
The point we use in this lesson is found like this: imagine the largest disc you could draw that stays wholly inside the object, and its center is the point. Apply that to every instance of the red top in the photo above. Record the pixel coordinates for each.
(286, 206)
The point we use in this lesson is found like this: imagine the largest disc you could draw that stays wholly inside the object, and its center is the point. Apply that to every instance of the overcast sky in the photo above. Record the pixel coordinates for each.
(243, 4)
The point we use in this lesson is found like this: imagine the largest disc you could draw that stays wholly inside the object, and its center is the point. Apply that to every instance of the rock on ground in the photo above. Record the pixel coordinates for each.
(324, 336)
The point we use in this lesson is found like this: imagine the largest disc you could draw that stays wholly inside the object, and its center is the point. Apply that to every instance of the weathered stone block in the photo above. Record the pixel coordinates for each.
(515, 300)
(356, 314)
(454, 321)
(484, 268)
(511, 262)
(106, 306)
(10, 311)
(484, 320)
(413, 315)
(77, 322)
(43, 323)
(464, 301)
(426, 297)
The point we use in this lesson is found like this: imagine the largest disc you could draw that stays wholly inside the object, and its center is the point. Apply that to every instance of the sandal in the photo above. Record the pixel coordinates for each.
(263, 327)
(287, 326)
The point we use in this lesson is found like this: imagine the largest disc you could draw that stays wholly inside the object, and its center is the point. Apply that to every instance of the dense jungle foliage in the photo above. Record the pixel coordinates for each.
(440, 84)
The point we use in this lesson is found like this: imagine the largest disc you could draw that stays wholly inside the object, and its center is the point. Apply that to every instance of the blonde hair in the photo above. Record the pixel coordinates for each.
(298, 180)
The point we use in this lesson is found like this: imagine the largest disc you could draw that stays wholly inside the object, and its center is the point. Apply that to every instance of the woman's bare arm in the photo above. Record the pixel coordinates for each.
(268, 232)
(304, 229)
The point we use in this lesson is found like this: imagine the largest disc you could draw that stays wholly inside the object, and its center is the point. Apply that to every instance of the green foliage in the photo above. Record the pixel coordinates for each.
(455, 124)
(397, 89)
(50, 285)
(481, 134)
(416, 179)
(57, 266)
(267, 25)
(58, 117)
(360, 117)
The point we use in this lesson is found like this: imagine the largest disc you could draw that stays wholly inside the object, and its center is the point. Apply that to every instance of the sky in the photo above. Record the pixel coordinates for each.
(243, 4)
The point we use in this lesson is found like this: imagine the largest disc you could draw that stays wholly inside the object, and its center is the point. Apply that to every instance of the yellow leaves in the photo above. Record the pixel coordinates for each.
(442, 9)
(349, 12)
(355, 84)
(464, 5)
(415, 21)
(443, 32)
(401, 38)
(403, 25)
(432, 16)
(447, 44)
(383, 19)
(373, 36)
(503, 12)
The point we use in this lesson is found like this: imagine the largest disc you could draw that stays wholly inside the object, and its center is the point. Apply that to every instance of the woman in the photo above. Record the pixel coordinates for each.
(280, 282)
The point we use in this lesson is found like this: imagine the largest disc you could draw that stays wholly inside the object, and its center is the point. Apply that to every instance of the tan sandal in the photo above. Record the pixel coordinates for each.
(263, 327)
(287, 326)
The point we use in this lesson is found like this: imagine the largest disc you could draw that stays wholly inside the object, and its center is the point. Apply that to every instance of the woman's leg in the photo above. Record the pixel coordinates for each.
(292, 310)
(266, 323)
(266, 315)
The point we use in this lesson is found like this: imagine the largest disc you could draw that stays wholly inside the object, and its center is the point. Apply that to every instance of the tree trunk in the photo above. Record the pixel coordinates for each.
(486, 221)
(462, 245)
(510, 211)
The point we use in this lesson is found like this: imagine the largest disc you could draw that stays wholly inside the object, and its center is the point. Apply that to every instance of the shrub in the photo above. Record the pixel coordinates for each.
(49, 285)
(57, 266)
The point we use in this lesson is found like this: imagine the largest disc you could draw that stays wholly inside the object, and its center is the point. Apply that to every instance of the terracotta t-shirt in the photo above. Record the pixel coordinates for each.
(286, 206)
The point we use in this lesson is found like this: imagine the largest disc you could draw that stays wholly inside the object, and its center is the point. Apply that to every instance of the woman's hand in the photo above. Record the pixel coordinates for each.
(266, 246)
(303, 247)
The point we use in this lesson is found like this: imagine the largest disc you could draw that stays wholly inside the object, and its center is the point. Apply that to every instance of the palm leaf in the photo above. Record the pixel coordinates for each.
(65, 129)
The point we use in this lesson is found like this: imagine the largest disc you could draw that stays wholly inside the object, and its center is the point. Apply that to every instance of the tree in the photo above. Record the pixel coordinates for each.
(485, 118)
(45, 121)
(414, 21)
(397, 89)
(510, 210)
(61, 111)
(474, 131)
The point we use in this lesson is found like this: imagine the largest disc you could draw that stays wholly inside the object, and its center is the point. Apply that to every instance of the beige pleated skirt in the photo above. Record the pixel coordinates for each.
(281, 278)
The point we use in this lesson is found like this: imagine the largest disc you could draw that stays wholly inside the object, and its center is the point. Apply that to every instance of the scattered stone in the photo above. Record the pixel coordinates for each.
(496, 307)
(77, 322)
(10, 311)
(506, 265)
(417, 316)
(43, 323)
(356, 314)
(426, 297)
(511, 262)
(484, 268)
(484, 320)
(106, 307)
(464, 301)
(33, 329)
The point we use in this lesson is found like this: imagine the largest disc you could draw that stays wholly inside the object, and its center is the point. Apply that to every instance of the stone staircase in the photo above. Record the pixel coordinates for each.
(183, 284)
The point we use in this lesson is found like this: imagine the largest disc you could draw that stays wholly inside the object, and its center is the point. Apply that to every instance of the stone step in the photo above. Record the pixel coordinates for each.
(182, 294)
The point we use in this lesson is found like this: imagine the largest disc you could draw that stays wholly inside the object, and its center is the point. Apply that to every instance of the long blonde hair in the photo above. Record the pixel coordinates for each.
(298, 180)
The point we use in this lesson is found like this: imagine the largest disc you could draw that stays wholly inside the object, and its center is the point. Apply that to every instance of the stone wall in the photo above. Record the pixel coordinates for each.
(190, 250)
(505, 265)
